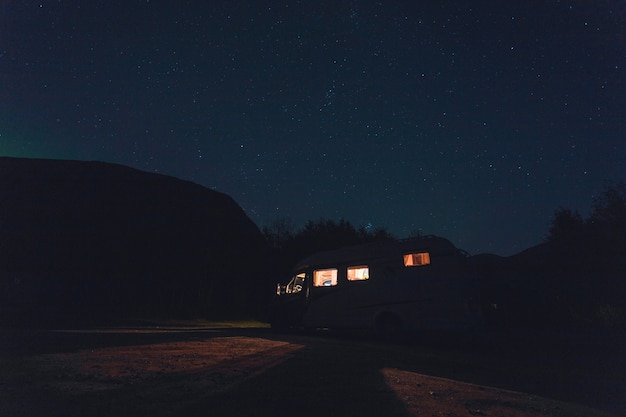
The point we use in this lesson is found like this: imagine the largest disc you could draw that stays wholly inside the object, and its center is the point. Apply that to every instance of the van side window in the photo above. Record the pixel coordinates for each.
(358, 273)
(417, 259)
(325, 277)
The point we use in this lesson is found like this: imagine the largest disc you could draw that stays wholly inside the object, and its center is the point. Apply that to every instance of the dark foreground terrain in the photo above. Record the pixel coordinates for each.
(210, 371)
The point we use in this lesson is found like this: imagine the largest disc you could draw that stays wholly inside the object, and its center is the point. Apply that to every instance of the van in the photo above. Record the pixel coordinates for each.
(391, 288)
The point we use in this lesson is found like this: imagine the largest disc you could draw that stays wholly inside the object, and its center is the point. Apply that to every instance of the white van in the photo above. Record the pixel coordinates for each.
(389, 287)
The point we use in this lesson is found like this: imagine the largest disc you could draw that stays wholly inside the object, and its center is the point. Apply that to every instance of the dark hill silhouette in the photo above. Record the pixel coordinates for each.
(566, 285)
(99, 240)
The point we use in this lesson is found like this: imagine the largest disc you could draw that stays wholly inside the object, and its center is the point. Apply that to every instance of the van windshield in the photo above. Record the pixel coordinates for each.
(296, 284)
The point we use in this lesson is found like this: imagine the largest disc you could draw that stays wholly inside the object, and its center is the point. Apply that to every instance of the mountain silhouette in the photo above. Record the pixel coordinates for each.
(100, 240)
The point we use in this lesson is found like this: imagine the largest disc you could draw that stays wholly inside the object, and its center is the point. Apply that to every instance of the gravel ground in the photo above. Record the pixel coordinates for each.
(193, 371)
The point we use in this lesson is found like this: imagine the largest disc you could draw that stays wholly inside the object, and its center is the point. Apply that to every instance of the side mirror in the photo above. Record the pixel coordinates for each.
(280, 289)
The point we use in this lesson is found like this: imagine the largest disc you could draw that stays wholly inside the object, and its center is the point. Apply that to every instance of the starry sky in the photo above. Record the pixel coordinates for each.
(472, 120)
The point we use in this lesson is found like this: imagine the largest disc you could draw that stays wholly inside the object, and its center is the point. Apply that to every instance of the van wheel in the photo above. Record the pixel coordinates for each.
(389, 328)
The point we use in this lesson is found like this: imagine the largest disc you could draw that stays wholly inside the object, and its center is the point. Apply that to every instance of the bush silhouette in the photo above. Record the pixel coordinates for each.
(588, 266)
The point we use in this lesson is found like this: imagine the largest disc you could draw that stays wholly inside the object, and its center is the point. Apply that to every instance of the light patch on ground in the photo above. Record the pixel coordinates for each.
(213, 364)
(425, 395)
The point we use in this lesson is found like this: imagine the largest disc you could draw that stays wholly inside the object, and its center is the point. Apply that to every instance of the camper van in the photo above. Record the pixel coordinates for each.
(392, 288)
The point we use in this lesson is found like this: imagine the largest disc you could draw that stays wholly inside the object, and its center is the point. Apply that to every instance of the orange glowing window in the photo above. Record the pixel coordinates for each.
(325, 277)
(358, 273)
(417, 259)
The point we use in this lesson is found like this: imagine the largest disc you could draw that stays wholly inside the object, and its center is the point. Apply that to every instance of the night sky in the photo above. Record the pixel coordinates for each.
(472, 120)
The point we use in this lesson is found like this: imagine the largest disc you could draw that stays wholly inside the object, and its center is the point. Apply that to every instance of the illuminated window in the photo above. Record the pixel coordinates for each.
(417, 259)
(325, 277)
(358, 273)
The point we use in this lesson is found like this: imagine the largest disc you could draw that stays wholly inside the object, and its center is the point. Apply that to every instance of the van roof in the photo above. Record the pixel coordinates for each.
(365, 252)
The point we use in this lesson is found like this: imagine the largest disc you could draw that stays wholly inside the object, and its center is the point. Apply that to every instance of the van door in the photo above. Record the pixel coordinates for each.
(289, 306)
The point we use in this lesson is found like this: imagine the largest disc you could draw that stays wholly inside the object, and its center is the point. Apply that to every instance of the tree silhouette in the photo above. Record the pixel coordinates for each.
(587, 267)
(279, 232)
(316, 236)
(566, 224)
(606, 224)
(608, 216)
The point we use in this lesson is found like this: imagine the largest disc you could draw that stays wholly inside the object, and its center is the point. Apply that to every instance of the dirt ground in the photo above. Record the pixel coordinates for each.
(207, 371)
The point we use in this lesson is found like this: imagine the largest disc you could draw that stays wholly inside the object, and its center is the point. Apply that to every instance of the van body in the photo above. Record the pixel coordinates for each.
(393, 286)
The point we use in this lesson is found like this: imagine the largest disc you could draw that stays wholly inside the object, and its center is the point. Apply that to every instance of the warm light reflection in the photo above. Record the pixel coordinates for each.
(425, 395)
(214, 363)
